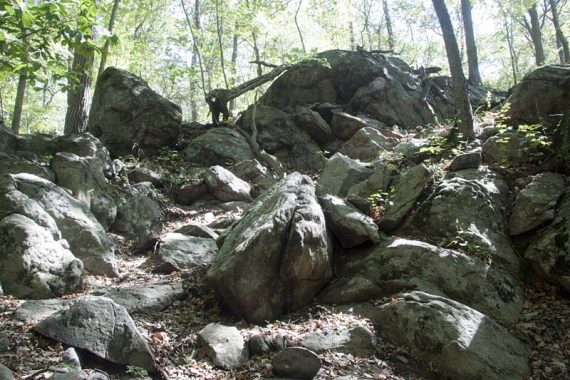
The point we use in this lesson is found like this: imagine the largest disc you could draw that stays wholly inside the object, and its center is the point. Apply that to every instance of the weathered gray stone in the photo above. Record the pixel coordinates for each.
(218, 146)
(35, 310)
(536, 203)
(198, 230)
(126, 110)
(471, 160)
(5, 373)
(296, 363)
(100, 326)
(224, 345)
(459, 342)
(312, 123)
(277, 256)
(407, 188)
(348, 225)
(144, 174)
(340, 174)
(190, 192)
(259, 345)
(410, 148)
(187, 252)
(345, 125)
(366, 144)
(225, 186)
(508, 148)
(378, 182)
(357, 341)
(138, 215)
(12, 164)
(255, 173)
(147, 297)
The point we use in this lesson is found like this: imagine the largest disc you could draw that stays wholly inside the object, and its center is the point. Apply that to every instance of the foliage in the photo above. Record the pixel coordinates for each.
(136, 371)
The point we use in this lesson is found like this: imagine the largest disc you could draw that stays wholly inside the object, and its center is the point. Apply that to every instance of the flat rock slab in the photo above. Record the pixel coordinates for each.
(198, 230)
(187, 252)
(358, 341)
(102, 327)
(224, 345)
(146, 298)
(35, 310)
(471, 160)
(296, 363)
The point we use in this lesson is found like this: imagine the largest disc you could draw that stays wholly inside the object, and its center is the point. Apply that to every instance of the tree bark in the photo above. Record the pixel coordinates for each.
(105, 51)
(235, 43)
(298, 27)
(19, 104)
(536, 36)
(564, 51)
(389, 29)
(219, 26)
(471, 46)
(462, 105)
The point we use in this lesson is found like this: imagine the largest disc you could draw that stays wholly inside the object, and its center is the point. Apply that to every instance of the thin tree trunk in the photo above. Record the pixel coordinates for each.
(536, 36)
(462, 105)
(19, 104)
(235, 44)
(105, 51)
(389, 30)
(351, 35)
(219, 26)
(298, 27)
(471, 46)
(256, 52)
(194, 40)
(560, 37)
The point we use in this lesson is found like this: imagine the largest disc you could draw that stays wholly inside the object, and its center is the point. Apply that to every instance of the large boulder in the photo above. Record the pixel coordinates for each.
(313, 123)
(510, 148)
(126, 110)
(278, 256)
(53, 208)
(542, 92)
(102, 327)
(225, 186)
(32, 263)
(549, 256)
(402, 264)
(466, 211)
(186, 252)
(13, 164)
(457, 341)
(147, 297)
(224, 345)
(218, 146)
(340, 174)
(366, 145)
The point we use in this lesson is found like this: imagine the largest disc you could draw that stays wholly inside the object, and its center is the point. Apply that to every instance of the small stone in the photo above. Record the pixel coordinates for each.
(296, 363)
(259, 345)
(224, 345)
(70, 359)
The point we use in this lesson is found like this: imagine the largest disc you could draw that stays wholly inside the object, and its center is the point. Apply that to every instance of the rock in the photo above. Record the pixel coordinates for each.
(190, 192)
(340, 174)
(471, 160)
(12, 164)
(358, 341)
(550, 254)
(345, 125)
(36, 144)
(466, 207)
(509, 148)
(349, 226)
(218, 146)
(225, 186)
(52, 207)
(541, 92)
(4, 342)
(148, 297)
(377, 183)
(536, 203)
(459, 342)
(5, 373)
(125, 111)
(33, 264)
(198, 230)
(144, 174)
(365, 145)
(70, 359)
(187, 252)
(403, 264)
(255, 173)
(282, 238)
(312, 123)
(224, 345)
(407, 188)
(35, 310)
(410, 148)
(259, 345)
(138, 215)
(296, 363)
(100, 326)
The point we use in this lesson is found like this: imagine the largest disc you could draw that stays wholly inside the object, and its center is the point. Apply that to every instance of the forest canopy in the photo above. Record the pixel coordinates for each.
(51, 51)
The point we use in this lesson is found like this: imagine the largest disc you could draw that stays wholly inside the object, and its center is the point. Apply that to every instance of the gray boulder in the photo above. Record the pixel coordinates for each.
(224, 345)
(198, 230)
(349, 226)
(470, 160)
(313, 123)
(34, 311)
(100, 326)
(535, 205)
(340, 174)
(138, 215)
(5, 373)
(148, 297)
(282, 239)
(508, 148)
(218, 146)
(125, 110)
(225, 186)
(358, 341)
(186, 252)
(190, 192)
(12, 164)
(32, 263)
(402, 264)
(255, 173)
(366, 145)
(410, 148)
(144, 174)
(296, 363)
(345, 125)
(378, 182)
(549, 256)
(459, 342)
(407, 189)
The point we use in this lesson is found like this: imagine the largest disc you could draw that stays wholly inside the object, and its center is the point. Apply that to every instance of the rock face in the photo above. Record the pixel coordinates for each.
(340, 174)
(149, 297)
(100, 326)
(54, 209)
(550, 254)
(32, 263)
(218, 146)
(536, 203)
(365, 145)
(138, 215)
(296, 363)
(125, 111)
(471, 160)
(358, 341)
(313, 123)
(277, 257)
(404, 264)
(225, 186)
(468, 205)
(224, 345)
(186, 252)
(507, 148)
(459, 342)
(542, 92)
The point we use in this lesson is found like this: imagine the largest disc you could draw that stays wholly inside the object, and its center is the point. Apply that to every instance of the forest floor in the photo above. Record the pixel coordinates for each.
(172, 333)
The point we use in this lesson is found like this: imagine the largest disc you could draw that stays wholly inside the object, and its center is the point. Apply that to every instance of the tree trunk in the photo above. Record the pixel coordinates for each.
(105, 51)
(351, 33)
(564, 51)
(235, 44)
(462, 105)
(389, 29)
(298, 27)
(219, 26)
(536, 36)
(256, 52)
(19, 104)
(471, 46)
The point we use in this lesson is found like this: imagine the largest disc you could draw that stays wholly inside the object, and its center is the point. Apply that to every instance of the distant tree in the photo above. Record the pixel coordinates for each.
(105, 51)
(534, 29)
(462, 105)
(389, 29)
(561, 41)
(472, 59)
